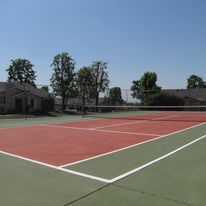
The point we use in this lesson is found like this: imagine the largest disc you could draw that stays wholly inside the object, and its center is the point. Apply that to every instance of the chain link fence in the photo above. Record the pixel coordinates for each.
(126, 95)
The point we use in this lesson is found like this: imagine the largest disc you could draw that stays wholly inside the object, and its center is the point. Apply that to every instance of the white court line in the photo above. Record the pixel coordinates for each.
(57, 168)
(98, 130)
(128, 147)
(156, 160)
(135, 122)
(122, 132)
(51, 123)
(103, 179)
(19, 126)
(30, 124)
(113, 125)
(63, 127)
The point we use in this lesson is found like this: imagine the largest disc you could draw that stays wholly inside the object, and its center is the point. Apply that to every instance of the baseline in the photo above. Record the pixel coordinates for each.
(56, 168)
(103, 179)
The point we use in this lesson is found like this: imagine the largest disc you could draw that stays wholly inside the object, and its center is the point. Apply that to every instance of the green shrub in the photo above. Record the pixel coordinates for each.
(165, 99)
(47, 104)
(4, 109)
(55, 114)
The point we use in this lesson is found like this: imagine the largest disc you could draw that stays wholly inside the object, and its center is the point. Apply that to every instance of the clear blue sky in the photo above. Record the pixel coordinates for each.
(133, 36)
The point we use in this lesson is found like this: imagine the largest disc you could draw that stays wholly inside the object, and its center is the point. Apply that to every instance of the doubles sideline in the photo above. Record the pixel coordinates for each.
(131, 146)
(120, 176)
(104, 179)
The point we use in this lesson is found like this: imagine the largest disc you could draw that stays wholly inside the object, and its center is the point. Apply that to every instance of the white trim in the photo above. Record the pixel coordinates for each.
(16, 95)
(128, 147)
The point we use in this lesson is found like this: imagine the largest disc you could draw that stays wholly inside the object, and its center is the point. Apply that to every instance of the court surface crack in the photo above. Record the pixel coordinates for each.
(154, 195)
(133, 190)
(88, 194)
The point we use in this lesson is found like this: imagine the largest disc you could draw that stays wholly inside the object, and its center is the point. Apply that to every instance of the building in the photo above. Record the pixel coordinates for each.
(21, 98)
(192, 97)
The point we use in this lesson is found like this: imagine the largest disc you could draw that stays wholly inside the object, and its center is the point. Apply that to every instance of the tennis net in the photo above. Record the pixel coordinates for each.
(153, 113)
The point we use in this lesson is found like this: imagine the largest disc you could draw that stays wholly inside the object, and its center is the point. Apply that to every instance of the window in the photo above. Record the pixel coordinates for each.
(32, 103)
(2, 100)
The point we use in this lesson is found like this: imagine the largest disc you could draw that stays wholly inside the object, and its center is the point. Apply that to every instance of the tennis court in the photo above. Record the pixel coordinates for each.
(134, 158)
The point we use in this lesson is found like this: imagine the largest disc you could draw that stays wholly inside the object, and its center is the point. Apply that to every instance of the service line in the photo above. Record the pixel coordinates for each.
(131, 146)
(135, 122)
(99, 130)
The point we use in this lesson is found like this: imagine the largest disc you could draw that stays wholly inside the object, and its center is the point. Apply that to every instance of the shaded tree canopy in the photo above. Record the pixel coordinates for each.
(165, 99)
(145, 87)
(21, 70)
(136, 89)
(84, 83)
(48, 104)
(63, 77)
(115, 96)
(148, 81)
(100, 79)
(194, 82)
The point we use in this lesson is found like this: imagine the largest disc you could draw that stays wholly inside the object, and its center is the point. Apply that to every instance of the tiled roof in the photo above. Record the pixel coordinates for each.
(23, 87)
(199, 94)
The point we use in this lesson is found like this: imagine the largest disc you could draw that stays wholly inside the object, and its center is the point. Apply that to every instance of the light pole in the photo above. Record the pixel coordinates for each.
(26, 94)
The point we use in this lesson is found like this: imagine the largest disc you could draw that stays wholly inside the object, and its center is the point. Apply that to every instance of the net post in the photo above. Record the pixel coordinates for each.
(83, 108)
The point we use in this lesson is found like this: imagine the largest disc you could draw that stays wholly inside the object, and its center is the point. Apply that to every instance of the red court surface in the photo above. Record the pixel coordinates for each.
(152, 127)
(174, 118)
(62, 144)
(156, 127)
(100, 122)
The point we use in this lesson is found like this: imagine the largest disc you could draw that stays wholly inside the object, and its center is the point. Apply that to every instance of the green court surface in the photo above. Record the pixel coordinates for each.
(177, 180)
(115, 164)
(24, 183)
(38, 120)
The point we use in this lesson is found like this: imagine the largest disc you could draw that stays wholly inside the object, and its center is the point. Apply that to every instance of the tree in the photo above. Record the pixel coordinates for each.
(46, 88)
(21, 70)
(47, 104)
(136, 89)
(194, 82)
(165, 99)
(63, 77)
(84, 83)
(115, 96)
(145, 87)
(99, 78)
